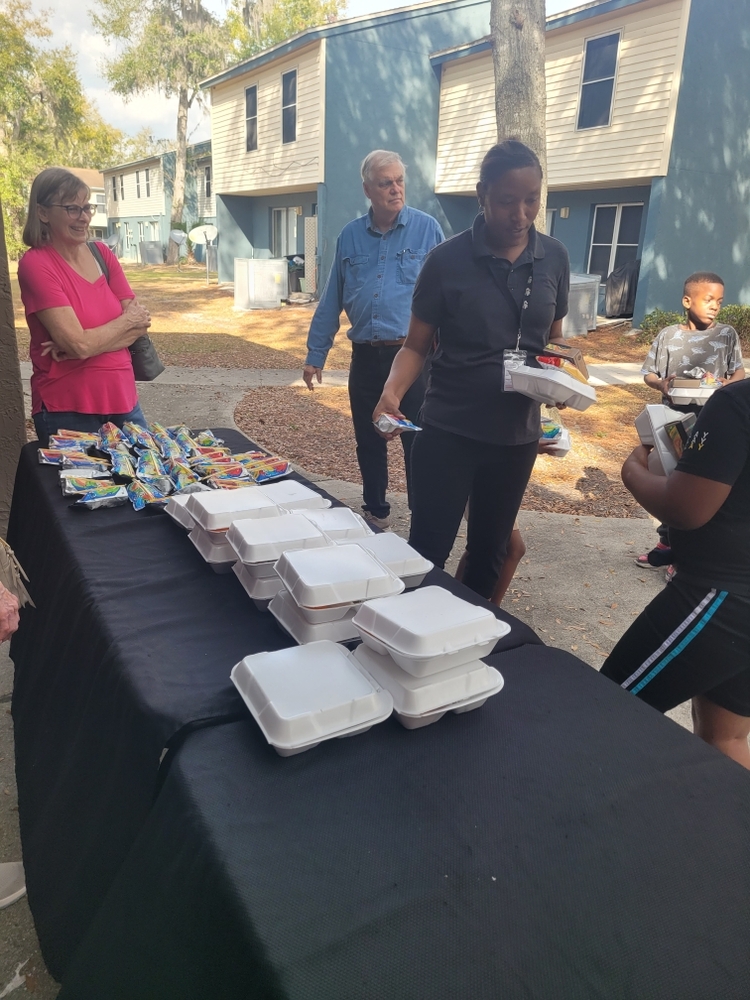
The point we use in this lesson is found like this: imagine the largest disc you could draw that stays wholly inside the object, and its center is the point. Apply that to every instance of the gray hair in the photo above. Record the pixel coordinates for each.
(376, 159)
(54, 183)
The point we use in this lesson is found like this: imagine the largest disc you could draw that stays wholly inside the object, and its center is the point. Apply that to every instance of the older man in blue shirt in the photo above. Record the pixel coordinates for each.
(377, 260)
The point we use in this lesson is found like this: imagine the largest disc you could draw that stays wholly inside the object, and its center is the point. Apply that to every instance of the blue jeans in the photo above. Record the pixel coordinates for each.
(49, 422)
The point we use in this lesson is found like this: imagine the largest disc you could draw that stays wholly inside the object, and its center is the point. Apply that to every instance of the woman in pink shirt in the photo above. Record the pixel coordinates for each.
(81, 322)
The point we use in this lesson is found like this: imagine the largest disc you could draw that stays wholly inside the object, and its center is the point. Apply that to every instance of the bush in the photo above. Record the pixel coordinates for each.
(736, 316)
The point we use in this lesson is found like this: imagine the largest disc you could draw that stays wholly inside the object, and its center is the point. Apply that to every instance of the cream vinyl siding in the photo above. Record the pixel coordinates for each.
(131, 205)
(635, 146)
(206, 206)
(274, 166)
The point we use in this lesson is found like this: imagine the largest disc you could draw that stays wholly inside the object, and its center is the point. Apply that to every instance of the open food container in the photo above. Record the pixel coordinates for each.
(215, 510)
(260, 589)
(400, 558)
(339, 522)
(303, 695)
(419, 701)
(697, 394)
(429, 630)
(291, 495)
(214, 548)
(666, 431)
(325, 582)
(288, 614)
(262, 540)
(548, 385)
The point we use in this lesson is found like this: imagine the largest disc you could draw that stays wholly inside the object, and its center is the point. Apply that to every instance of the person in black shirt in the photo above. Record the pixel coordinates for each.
(496, 289)
(693, 639)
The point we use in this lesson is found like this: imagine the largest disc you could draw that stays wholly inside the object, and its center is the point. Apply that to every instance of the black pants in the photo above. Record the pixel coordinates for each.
(448, 469)
(369, 370)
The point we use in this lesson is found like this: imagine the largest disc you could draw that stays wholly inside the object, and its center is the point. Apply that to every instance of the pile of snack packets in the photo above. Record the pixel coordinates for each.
(147, 464)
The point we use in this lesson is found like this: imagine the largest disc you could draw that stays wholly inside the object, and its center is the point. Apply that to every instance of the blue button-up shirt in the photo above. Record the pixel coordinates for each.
(372, 280)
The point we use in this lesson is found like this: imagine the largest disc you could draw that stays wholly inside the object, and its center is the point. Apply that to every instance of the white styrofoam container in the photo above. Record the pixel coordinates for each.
(291, 495)
(290, 617)
(400, 558)
(261, 571)
(335, 575)
(215, 510)
(653, 416)
(176, 510)
(262, 540)
(303, 695)
(687, 396)
(423, 695)
(550, 385)
(429, 630)
(260, 590)
(557, 448)
(339, 522)
(214, 548)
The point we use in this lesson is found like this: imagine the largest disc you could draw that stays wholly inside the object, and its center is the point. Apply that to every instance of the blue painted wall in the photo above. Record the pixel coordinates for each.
(700, 217)
(381, 92)
(245, 224)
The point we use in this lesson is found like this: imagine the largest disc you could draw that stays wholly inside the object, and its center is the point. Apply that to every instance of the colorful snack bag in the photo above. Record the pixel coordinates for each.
(387, 423)
(122, 465)
(159, 484)
(244, 457)
(77, 461)
(75, 435)
(149, 465)
(229, 470)
(54, 456)
(213, 452)
(101, 496)
(207, 439)
(84, 473)
(72, 485)
(185, 441)
(59, 443)
(223, 483)
(142, 495)
(550, 429)
(112, 438)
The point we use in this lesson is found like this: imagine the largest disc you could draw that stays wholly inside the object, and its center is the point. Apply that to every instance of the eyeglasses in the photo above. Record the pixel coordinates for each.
(76, 211)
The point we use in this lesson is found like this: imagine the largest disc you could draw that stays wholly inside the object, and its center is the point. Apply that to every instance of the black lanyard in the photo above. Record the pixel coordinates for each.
(509, 297)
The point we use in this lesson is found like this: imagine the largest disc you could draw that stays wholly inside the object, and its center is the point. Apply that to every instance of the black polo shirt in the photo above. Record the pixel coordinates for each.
(460, 291)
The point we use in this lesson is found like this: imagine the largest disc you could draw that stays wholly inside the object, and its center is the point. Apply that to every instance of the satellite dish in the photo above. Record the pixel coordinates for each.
(112, 241)
(203, 234)
(177, 236)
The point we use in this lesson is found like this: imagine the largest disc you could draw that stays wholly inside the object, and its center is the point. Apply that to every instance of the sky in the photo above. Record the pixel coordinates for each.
(71, 25)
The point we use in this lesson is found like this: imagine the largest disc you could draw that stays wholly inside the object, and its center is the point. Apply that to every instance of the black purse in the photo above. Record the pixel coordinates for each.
(146, 362)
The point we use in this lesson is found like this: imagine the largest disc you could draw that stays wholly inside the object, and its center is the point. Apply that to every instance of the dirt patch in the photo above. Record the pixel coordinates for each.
(608, 344)
(315, 430)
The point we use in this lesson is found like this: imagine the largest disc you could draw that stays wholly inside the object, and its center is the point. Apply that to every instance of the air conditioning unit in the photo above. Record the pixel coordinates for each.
(260, 284)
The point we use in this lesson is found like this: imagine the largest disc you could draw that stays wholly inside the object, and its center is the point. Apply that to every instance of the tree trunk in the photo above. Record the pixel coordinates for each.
(518, 48)
(12, 421)
(178, 193)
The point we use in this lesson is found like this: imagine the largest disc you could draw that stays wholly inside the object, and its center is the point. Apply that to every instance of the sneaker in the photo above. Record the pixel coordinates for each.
(384, 523)
(658, 557)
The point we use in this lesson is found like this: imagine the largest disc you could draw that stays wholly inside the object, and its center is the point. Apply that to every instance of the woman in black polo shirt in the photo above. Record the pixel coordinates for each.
(495, 290)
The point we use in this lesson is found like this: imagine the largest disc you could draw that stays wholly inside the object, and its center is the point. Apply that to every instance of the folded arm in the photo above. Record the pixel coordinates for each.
(70, 340)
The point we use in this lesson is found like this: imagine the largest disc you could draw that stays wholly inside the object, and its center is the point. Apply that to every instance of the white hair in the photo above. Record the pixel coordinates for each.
(376, 159)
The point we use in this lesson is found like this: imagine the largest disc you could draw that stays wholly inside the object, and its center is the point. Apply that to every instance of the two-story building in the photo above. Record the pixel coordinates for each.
(290, 127)
(648, 155)
(138, 198)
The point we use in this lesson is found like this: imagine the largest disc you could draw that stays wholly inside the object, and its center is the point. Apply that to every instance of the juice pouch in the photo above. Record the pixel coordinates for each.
(122, 465)
(58, 443)
(54, 456)
(142, 495)
(207, 439)
(77, 461)
(149, 464)
(101, 496)
(112, 438)
(223, 483)
(73, 485)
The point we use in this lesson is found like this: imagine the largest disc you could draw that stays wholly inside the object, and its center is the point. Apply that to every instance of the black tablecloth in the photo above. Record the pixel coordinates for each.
(131, 643)
(564, 842)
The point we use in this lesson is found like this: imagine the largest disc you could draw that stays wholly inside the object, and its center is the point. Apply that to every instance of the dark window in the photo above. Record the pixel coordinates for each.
(207, 174)
(615, 238)
(289, 106)
(122, 187)
(137, 183)
(114, 188)
(251, 118)
(597, 88)
(148, 182)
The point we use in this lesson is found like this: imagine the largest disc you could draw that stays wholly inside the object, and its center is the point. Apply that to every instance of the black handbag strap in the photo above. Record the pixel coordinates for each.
(98, 257)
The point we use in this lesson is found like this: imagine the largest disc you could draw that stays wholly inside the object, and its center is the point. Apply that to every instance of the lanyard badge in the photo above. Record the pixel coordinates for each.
(514, 359)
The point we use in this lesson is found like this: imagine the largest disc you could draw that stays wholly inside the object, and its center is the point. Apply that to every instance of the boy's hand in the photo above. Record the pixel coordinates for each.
(664, 385)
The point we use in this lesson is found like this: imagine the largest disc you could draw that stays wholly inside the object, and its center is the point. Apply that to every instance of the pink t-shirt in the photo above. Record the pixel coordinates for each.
(103, 384)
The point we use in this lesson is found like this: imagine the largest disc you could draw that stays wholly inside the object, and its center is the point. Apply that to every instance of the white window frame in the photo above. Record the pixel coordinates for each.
(141, 233)
(207, 182)
(287, 217)
(155, 231)
(137, 183)
(581, 84)
(615, 233)
(256, 88)
(147, 178)
(286, 72)
(114, 187)
(122, 187)
(549, 220)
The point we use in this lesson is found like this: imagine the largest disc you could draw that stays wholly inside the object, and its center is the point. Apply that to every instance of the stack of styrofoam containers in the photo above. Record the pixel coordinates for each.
(651, 424)
(258, 543)
(323, 587)
(425, 648)
(303, 695)
(214, 511)
(291, 495)
(176, 507)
